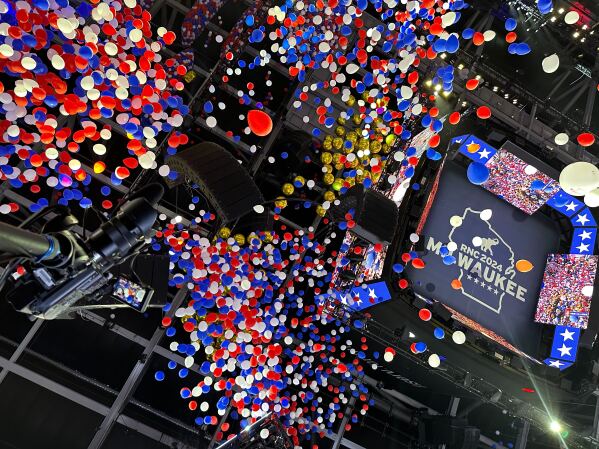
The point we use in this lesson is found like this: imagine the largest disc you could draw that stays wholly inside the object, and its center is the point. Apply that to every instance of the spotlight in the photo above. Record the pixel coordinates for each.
(438, 87)
(576, 34)
(555, 426)
(561, 10)
(429, 83)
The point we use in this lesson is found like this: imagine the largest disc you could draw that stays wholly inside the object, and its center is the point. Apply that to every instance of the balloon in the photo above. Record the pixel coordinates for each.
(259, 122)
(434, 360)
(591, 199)
(456, 284)
(579, 178)
(550, 63)
(478, 39)
(454, 118)
(524, 266)
(486, 214)
(587, 291)
(425, 314)
(455, 221)
(489, 35)
(511, 37)
(511, 24)
(477, 173)
(388, 356)
(459, 337)
(572, 17)
(439, 333)
(586, 139)
(561, 139)
(420, 346)
(483, 112)
(472, 84)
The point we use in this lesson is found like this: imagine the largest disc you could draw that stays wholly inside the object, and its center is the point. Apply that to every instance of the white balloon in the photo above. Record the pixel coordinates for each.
(587, 291)
(489, 35)
(434, 360)
(458, 337)
(477, 241)
(456, 221)
(550, 63)
(448, 19)
(561, 139)
(579, 178)
(530, 170)
(572, 17)
(452, 246)
(388, 356)
(486, 214)
(258, 208)
(591, 199)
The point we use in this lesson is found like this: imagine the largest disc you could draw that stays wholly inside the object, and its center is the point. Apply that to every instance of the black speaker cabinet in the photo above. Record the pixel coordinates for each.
(222, 180)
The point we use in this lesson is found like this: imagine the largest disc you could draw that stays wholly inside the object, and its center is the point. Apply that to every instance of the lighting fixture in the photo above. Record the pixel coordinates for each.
(555, 426)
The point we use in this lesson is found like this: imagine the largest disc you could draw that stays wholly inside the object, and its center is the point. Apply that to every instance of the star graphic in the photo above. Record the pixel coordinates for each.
(490, 287)
(484, 154)
(582, 219)
(565, 350)
(482, 284)
(371, 293)
(568, 335)
(475, 281)
(496, 291)
(555, 364)
(571, 206)
(584, 235)
(469, 277)
(583, 248)
(472, 147)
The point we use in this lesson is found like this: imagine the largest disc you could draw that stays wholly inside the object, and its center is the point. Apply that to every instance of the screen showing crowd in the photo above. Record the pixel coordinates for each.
(566, 291)
(518, 183)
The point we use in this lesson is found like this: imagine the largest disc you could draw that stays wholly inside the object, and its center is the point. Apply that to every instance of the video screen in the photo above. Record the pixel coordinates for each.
(367, 267)
(131, 293)
(566, 291)
(518, 183)
(402, 183)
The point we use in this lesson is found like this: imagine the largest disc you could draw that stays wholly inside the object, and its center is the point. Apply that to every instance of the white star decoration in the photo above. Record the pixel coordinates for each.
(583, 248)
(571, 206)
(584, 235)
(555, 364)
(565, 350)
(484, 154)
(582, 219)
(568, 335)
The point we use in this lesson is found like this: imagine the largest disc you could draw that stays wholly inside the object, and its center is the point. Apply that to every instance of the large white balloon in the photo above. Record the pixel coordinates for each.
(579, 178)
(489, 35)
(572, 17)
(434, 360)
(591, 199)
(561, 138)
(458, 337)
(550, 63)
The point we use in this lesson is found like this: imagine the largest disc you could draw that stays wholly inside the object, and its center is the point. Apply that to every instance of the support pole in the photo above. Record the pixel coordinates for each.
(134, 378)
(522, 435)
(341, 431)
(223, 419)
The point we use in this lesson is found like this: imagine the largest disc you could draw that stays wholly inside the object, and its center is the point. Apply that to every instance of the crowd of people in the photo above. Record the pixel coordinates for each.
(509, 180)
(562, 300)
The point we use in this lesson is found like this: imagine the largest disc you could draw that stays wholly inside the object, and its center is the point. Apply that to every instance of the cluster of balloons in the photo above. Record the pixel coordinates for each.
(581, 179)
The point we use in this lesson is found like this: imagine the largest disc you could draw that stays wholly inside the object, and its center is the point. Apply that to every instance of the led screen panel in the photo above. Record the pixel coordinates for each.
(567, 288)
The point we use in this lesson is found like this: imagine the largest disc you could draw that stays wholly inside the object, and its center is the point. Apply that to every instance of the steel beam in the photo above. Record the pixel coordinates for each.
(223, 419)
(522, 437)
(88, 403)
(344, 421)
(134, 378)
(595, 434)
(24, 343)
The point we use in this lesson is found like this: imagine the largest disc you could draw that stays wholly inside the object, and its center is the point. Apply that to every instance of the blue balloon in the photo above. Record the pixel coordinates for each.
(449, 260)
(477, 173)
(537, 184)
(561, 199)
(439, 333)
(511, 24)
(468, 33)
(420, 346)
(453, 43)
(159, 376)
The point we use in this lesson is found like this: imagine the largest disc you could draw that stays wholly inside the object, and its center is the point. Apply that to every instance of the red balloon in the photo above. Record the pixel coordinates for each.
(472, 84)
(403, 284)
(586, 139)
(259, 122)
(425, 314)
(483, 112)
(510, 37)
(454, 118)
(434, 141)
(478, 38)
(418, 263)
(413, 348)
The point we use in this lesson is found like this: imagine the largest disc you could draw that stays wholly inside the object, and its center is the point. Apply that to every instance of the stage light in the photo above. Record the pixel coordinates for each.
(443, 55)
(561, 10)
(438, 87)
(553, 19)
(576, 34)
(446, 94)
(429, 83)
(555, 426)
